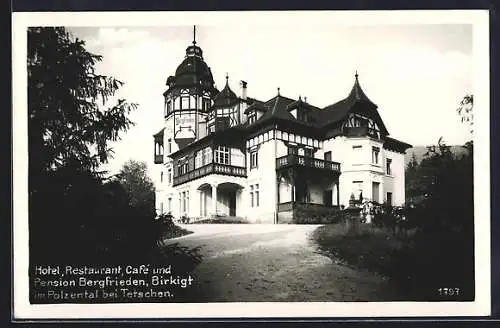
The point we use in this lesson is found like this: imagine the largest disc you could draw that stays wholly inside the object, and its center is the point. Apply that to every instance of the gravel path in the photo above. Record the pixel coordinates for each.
(251, 263)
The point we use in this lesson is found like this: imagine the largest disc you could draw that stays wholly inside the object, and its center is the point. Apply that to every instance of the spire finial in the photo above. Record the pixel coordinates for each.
(356, 75)
(194, 34)
(227, 78)
(300, 98)
(278, 91)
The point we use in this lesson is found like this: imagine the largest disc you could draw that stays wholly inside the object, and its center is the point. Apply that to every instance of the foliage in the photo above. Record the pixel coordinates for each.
(423, 246)
(139, 186)
(465, 111)
(69, 125)
(75, 215)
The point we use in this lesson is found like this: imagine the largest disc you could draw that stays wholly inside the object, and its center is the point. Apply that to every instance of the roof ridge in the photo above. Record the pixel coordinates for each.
(275, 104)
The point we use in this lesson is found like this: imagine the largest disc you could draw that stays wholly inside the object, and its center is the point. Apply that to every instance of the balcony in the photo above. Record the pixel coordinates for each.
(158, 159)
(298, 160)
(214, 168)
(361, 131)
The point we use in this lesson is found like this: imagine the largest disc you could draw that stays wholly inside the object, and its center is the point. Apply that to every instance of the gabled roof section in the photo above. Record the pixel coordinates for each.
(277, 108)
(226, 97)
(339, 110)
(357, 93)
(159, 134)
(255, 104)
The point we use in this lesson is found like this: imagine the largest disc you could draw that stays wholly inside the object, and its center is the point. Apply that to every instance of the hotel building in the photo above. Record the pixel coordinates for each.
(226, 154)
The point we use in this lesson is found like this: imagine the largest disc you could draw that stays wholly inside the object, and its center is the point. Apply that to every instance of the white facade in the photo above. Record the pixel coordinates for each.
(222, 154)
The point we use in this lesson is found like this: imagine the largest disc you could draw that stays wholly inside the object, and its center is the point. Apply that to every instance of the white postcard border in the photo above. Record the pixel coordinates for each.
(480, 307)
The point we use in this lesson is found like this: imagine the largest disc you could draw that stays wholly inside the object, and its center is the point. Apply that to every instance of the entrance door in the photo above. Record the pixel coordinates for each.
(232, 204)
(327, 197)
(376, 192)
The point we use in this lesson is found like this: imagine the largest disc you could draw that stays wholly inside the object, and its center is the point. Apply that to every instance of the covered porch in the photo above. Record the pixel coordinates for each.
(220, 199)
(305, 195)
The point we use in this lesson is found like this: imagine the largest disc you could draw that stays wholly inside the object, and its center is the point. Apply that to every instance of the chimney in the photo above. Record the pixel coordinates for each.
(243, 90)
(305, 99)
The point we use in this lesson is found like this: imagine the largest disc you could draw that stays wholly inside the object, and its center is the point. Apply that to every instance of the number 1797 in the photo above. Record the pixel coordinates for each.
(449, 291)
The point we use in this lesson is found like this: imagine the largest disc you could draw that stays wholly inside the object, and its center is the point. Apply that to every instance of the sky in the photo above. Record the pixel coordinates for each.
(416, 74)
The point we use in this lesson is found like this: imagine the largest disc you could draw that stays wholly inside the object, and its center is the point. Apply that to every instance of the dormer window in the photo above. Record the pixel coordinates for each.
(302, 115)
(252, 117)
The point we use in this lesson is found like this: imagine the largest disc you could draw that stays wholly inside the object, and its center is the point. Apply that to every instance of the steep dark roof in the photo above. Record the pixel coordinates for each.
(357, 93)
(277, 108)
(339, 110)
(159, 133)
(255, 105)
(193, 71)
(396, 145)
(226, 97)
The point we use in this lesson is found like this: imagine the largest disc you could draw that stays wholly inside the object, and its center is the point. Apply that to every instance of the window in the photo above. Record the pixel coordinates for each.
(375, 191)
(169, 176)
(206, 156)
(302, 115)
(388, 166)
(198, 159)
(206, 104)
(185, 102)
(252, 117)
(308, 152)
(161, 176)
(254, 195)
(211, 127)
(169, 146)
(222, 155)
(357, 189)
(185, 201)
(328, 156)
(161, 208)
(375, 153)
(293, 150)
(169, 204)
(169, 106)
(254, 159)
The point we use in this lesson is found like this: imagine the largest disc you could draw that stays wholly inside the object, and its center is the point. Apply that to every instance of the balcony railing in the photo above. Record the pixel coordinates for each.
(158, 159)
(214, 168)
(298, 160)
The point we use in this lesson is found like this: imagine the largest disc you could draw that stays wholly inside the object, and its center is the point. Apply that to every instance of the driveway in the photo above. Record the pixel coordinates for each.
(254, 262)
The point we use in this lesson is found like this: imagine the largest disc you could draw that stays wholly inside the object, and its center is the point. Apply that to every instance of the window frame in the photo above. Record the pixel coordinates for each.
(375, 155)
(254, 159)
(223, 155)
(388, 166)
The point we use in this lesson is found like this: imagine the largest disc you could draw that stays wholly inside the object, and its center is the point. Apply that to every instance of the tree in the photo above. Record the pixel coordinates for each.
(70, 126)
(69, 122)
(413, 188)
(465, 110)
(139, 186)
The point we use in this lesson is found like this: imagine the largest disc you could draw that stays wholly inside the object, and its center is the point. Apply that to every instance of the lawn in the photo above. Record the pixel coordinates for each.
(370, 249)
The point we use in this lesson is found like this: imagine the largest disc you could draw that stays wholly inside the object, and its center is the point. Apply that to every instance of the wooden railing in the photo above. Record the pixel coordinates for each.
(291, 160)
(215, 168)
(158, 159)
